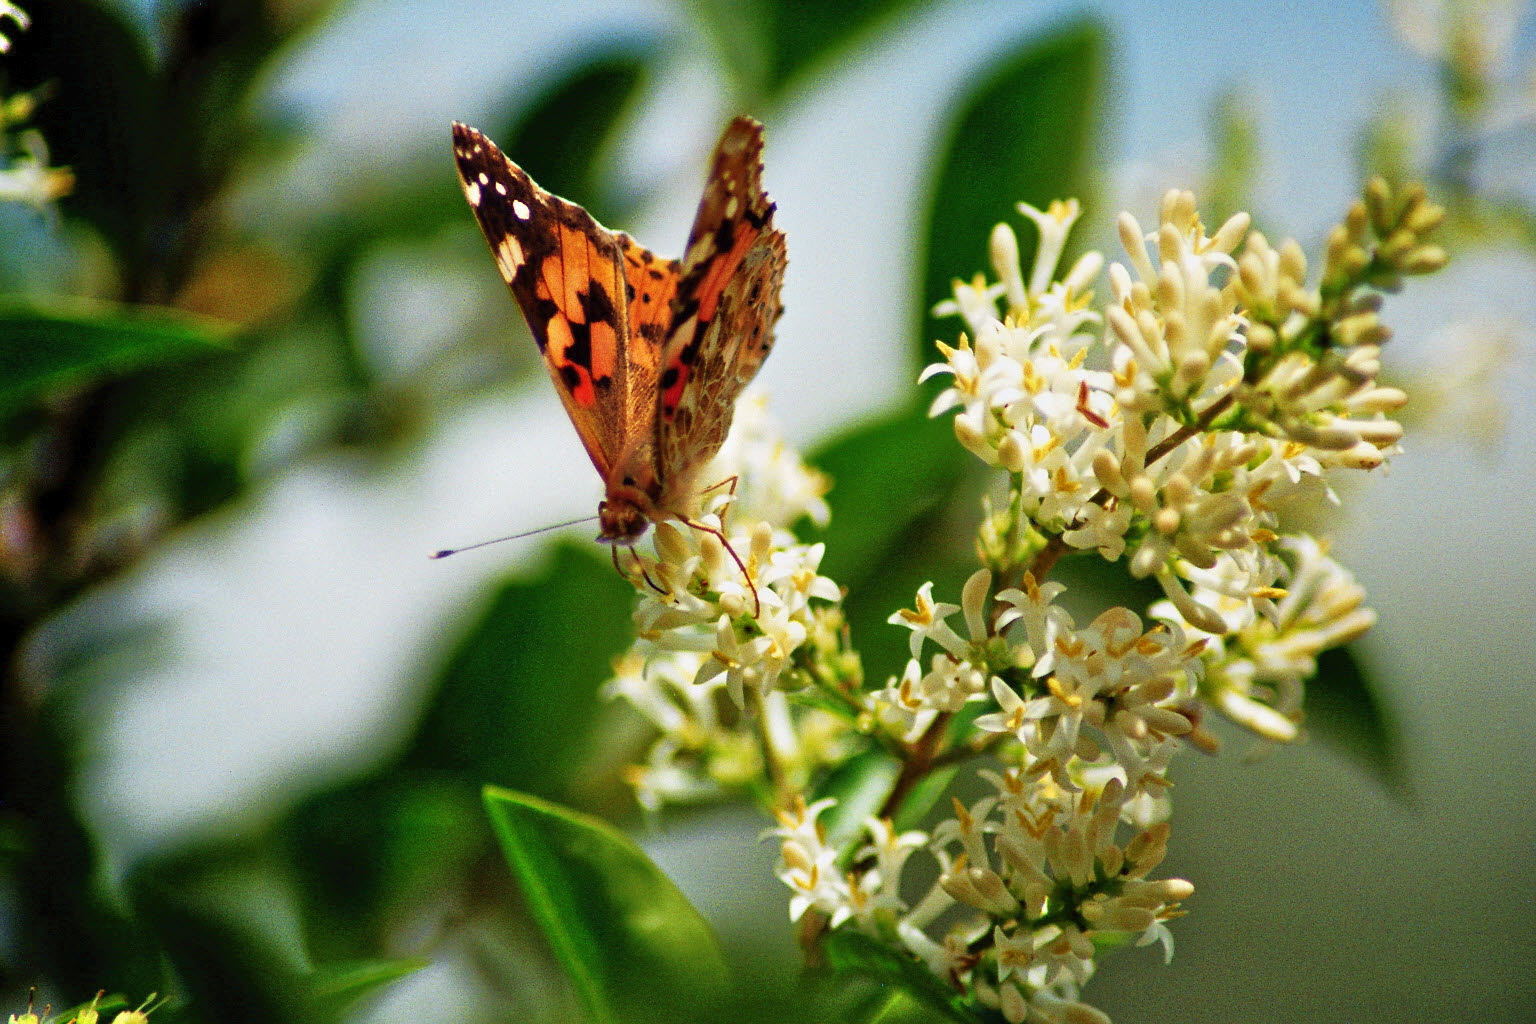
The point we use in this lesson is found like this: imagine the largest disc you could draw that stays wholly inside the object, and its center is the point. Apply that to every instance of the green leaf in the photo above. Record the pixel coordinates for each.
(335, 987)
(1026, 133)
(630, 943)
(518, 699)
(372, 853)
(882, 550)
(770, 44)
(1341, 707)
(852, 952)
(921, 798)
(560, 137)
(906, 454)
(45, 349)
(860, 786)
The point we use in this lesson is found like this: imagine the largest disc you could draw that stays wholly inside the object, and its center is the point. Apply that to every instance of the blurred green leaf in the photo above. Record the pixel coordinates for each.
(221, 934)
(518, 699)
(906, 454)
(1235, 140)
(631, 944)
(372, 853)
(334, 988)
(883, 550)
(561, 137)
(44, 349)
(855, 953)
(1341, 707)
(768, 44)
(922, 798)
(1027, 132)
(860, 785)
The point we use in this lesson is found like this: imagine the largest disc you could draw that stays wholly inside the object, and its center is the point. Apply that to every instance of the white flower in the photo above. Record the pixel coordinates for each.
(808, 865)
(926, 621)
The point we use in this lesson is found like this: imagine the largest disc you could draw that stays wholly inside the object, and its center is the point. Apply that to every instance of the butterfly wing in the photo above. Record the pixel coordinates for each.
(726, 304)
(580, 288)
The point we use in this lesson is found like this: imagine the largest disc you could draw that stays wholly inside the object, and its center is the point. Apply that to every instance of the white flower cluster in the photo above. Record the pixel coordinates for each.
(1164, 430)
(1214, 393)
(1257, 666)
(1028, 878)
(706, 629)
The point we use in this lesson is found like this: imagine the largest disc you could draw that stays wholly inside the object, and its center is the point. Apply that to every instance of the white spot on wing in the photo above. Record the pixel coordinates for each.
(472, 193)
(509, 255)
(520, 208)
(483, 179)
(501, 188)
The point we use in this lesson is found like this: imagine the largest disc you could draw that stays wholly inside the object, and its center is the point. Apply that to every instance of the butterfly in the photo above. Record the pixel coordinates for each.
(647, 354)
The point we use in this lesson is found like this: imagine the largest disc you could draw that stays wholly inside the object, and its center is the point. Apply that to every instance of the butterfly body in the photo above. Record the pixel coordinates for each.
(647, 354)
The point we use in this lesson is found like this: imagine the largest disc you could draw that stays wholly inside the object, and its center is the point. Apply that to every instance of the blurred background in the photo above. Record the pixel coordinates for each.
(255, 364)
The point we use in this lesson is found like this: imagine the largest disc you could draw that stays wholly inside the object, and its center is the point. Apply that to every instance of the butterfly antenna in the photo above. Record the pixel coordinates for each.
(516, 536)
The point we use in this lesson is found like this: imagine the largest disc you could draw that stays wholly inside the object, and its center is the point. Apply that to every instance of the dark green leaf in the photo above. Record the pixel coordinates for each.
(880, 549)
(517, 701)
(370, 854)
(860, 786)
(922, 798)
(852, 952)
(210, 908)
(334, 988)
(630, 943)
(1341, 707)
(559, 137)
(44, 349)
(1026, 133)
(907, 454)
(768, 44)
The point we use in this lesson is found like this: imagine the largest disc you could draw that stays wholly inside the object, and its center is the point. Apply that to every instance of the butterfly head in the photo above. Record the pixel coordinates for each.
(621, 521)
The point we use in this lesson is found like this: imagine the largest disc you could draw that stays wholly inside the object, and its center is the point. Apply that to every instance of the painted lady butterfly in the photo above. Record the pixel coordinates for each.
(648, 354)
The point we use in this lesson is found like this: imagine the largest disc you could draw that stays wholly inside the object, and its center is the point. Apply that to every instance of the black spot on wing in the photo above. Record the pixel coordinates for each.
(539, 312)
(579, 352)
(597, 305)
(725, 235)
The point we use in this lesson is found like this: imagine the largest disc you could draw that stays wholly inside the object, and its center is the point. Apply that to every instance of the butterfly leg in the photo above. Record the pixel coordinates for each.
(757, 604)
(614, 549)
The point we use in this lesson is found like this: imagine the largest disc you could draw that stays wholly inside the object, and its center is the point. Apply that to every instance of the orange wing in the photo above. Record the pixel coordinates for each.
(589, 296)
(723, 316)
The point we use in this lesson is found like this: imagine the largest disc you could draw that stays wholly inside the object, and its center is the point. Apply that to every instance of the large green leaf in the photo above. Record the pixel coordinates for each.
(906, 454)
(860, 785)
(560, 137)
(518, 699)
(630, 943)
(892, 483)
(372, 853)
(334, 988)
(766, 45)
(44, 349)
(1342, 709)
(1025, 133)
